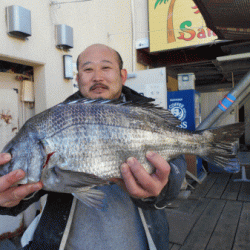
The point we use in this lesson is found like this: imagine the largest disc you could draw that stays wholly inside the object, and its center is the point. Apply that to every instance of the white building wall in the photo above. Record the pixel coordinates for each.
(96, 21)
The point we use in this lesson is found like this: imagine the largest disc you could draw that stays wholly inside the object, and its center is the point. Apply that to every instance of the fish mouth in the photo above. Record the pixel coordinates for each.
(98, 86)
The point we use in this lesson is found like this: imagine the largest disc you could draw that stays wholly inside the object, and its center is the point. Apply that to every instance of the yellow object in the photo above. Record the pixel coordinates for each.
(176, 24)
(172, 84)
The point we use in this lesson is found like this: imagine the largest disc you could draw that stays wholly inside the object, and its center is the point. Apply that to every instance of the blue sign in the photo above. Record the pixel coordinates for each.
(182, 105)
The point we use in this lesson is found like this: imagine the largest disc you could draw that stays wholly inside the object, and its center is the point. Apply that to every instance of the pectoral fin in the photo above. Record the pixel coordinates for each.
(78, 179)
(81, 186)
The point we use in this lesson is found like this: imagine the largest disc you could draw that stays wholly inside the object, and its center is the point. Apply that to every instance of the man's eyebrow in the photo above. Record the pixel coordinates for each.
(86, 63)
(89, 62)
(107, 61)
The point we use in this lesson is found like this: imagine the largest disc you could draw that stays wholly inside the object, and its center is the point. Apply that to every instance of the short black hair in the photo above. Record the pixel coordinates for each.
(120, 61)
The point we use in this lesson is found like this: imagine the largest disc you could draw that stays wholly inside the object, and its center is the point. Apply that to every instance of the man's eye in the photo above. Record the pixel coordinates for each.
(87, 69)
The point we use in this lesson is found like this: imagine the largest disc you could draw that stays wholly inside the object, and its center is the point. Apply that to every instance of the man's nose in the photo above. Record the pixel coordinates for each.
(97, 75)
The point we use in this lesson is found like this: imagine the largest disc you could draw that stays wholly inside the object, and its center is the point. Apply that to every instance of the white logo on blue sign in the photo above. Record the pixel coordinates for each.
(178, 110)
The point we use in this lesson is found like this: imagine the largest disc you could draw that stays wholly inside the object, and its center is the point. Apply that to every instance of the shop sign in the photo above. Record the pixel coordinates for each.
(176, 24)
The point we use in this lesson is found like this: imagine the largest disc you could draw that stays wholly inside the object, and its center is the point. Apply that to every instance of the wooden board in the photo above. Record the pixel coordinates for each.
(223, 235)
(180, 224)
(202, 189)
(244, 194)
(242, 239)
(186, 205)
(219, 186)
(200, 234)
(232, 190)
(175, 247)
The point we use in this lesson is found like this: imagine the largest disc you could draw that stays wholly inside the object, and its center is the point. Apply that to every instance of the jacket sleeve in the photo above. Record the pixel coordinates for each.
(170, 191)
(23, 205)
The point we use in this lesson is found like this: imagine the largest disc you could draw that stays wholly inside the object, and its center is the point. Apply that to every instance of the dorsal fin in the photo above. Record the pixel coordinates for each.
(146, 105)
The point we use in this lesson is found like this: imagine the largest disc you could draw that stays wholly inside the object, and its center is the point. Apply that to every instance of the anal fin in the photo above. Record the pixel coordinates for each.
(91, 197)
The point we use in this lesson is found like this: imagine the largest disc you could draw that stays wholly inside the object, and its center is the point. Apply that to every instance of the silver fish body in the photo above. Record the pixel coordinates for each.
(76, 145)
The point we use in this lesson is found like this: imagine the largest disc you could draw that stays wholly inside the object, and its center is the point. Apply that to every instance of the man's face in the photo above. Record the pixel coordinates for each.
(99, 75)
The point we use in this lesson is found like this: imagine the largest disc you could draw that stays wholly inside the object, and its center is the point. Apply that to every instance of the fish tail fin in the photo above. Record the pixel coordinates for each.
(223, 147)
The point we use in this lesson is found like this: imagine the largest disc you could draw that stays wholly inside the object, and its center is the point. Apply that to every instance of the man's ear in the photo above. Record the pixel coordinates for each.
(124, 75)
(77, 78)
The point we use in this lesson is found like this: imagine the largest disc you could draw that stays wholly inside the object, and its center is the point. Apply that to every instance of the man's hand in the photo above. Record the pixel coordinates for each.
(139, 183)
(11, 196)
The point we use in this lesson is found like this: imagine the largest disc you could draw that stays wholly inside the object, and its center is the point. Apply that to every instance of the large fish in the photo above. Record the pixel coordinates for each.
(75, 146)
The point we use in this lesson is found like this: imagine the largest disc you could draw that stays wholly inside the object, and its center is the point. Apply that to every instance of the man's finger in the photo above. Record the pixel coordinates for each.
(161, 165)
(24, 190)
(10, 179)
(4, 158)
(137, 169)
(133, 187)
(14, 195)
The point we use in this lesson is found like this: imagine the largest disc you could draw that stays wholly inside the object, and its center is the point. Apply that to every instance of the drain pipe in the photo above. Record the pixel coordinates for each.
(223, 105)
(133, 35)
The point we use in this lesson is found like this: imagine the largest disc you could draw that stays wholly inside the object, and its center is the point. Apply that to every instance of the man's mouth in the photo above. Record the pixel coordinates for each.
(98, 86)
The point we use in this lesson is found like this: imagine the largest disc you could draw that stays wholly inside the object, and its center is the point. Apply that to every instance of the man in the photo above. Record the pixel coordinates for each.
(119, 225)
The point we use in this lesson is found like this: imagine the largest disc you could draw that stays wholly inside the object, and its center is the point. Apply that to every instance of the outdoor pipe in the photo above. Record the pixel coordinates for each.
(224, 105)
